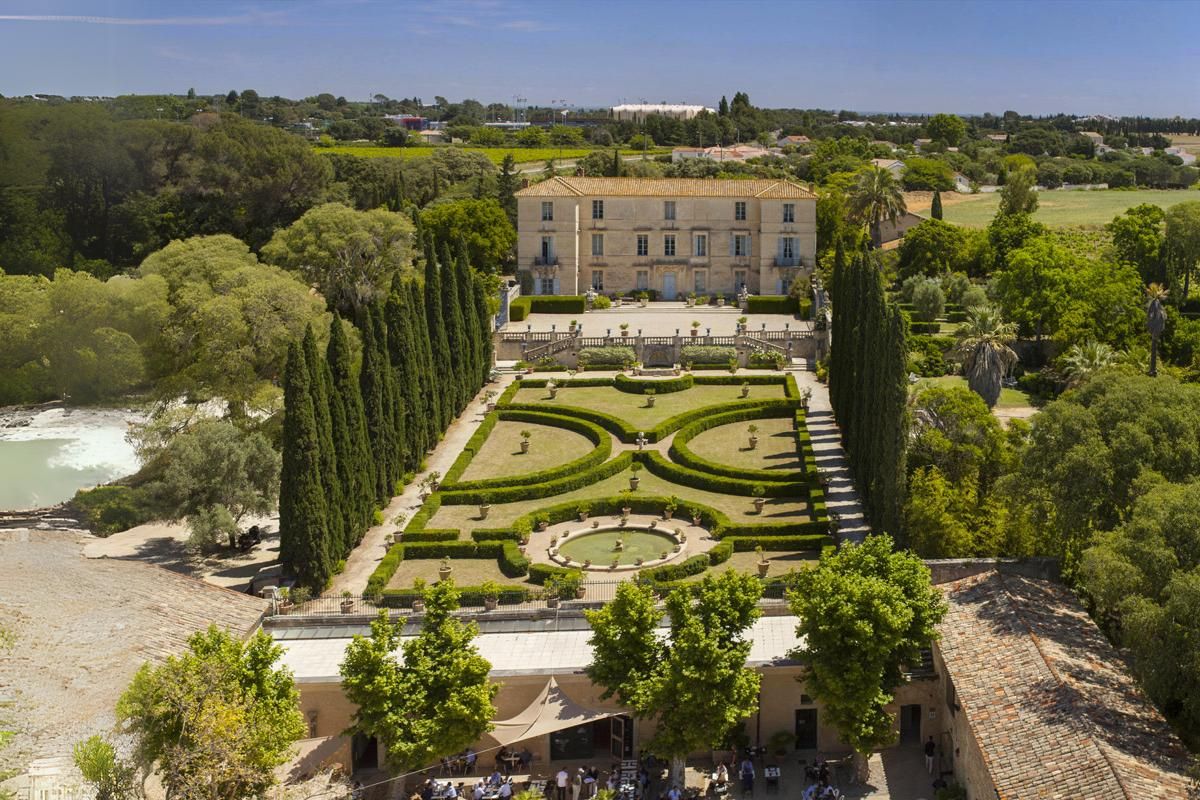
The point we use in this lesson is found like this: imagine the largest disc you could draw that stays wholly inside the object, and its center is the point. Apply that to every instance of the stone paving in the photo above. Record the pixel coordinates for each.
(660, 319)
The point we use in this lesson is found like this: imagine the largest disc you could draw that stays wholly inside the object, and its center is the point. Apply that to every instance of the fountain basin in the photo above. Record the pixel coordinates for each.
(600, 546)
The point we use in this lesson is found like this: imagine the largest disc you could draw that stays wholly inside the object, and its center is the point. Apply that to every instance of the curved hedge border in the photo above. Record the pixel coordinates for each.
(629, 385)
(601, 450)
(686, 476)
(468, 596)
(511, 560)
(623, 431)
(532, 491)
(682, 454)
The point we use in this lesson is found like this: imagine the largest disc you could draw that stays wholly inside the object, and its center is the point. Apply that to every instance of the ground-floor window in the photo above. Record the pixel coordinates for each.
(598, 280)
(546, 286)
(701, 278)
(643, 279)
(739, 279)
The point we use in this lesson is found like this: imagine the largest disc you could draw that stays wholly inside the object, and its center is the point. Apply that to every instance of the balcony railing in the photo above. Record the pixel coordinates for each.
(540, 261)
(792, 261)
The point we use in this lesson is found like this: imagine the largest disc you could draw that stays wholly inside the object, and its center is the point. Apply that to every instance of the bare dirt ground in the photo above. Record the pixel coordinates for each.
(82, 627)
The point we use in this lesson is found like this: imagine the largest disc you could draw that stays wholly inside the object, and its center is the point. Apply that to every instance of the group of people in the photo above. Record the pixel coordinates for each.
(582, 785)
(819, 787)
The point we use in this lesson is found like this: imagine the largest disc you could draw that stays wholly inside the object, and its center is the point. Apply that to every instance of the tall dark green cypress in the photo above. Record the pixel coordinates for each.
(464, 284)
(396, 412)
(320, 390)
(439, 345)
(354, 449)
(486, 344)
(404, 359)
(371, 381)
(303, 512)
(452, 316)
(935, 210)
(839, 333)
(430, 394)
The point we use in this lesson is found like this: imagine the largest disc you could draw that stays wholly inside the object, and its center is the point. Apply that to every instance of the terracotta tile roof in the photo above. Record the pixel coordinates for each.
(666, 187)
(1048, 699)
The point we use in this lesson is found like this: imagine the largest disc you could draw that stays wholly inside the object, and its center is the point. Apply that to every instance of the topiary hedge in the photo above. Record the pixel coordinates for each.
(557, 304)
(771, 304)
(721, 484)
(706, 354)
(468, 596)
(540, 573)
(611, 356)
(801, 542)
(511, 561)
(663, 386)
(512, 493)
(429, 535)
(518, 309)
(681, 454)
(601, 441)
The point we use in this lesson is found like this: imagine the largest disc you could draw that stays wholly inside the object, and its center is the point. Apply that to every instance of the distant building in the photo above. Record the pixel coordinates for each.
(1187, 158)
(737, 152)
(1000, 138)
(783, 141)
(432, 137)
(919, 143)
(962, 184)
(637, 112)
(409, 122)
(892, 165)
(507, 126)
(1096, 138)
(674, 236)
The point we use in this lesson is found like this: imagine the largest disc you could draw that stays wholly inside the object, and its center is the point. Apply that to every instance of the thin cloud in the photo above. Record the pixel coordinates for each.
(527, 25)
(137, 21)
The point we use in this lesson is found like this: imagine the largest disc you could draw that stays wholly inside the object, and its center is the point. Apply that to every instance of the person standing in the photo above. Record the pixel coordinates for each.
(747, 773)
(577, 784)
(560, 783)
(930, 750)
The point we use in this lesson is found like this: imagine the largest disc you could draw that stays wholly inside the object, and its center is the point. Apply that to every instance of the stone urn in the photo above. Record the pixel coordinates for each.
(633, 482)
(758, 504)
(490, 603)
(745, 391)
(650, 401)
(583, 515)
(763, 568)
(696, 520)
(664, 555)
(484, 508)
(444, 571)
(418, 606)
(524, 445)
(595, 523)
(553, 392)
(753, 441)
(347, 605)
(668, 513)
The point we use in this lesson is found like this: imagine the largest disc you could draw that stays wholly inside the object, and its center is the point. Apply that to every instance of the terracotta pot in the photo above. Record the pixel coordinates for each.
(624, 333)
(551, 602)
(583, 515)
(668, 513)
(347, 606)
(444, 573)
(490, 603)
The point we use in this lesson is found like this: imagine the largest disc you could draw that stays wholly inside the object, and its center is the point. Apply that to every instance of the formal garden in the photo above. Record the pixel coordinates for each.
(593, 480)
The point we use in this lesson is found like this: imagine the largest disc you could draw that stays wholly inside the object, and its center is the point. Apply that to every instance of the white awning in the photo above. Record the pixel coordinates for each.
(550, 711)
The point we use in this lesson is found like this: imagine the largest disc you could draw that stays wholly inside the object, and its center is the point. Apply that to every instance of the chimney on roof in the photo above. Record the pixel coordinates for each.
(579, 172)
(524, 183)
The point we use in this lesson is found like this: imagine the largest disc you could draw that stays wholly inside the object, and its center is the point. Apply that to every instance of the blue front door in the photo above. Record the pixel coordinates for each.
(669, 286)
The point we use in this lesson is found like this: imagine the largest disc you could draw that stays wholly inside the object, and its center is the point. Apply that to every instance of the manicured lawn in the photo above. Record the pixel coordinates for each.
(730, 445)
(467, 572)
(1009, 398)
(633, 408)
(1057, 208)
(739, 509)
(494, 154)
(501, 454)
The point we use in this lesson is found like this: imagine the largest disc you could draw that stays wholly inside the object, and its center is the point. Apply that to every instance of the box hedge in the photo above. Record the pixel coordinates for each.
(612, 356)
(722, 484)
(771, 304)
(663, 386)
(706, 354)
(564, 483)
(681, 454)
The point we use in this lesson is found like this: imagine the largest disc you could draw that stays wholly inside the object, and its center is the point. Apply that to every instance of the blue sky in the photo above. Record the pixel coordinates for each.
(966, 57)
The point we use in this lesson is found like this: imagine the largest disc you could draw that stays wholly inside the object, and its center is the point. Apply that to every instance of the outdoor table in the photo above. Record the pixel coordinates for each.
(511, 761)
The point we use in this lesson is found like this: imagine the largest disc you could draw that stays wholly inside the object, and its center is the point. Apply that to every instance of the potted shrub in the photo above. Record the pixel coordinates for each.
(444, 569)
(643, 299)
(625, 510)
(484, 508)
(695, 327)
(694, 513)
(523, 528)
(763, 564)
(759, 492)
(435, 480)
(542, 521)
(664, 555)
(650, 393)
(587, 563)
(583, 509)
(595, 523)
(753, 431)
(720, 301)
(741, 324)
(347, 603)
(653, 524)
(491, 594)
(669, 508)
(733, 366)
(525, 434)
(283, 603)
(624, 326)
(805, 396)
(691, 299)
(300, 595)
(639, 561)
(634, 480)
(687, 366)
(746, 389)
(489, 400)
(418, 603)
(552, 387)
(574, 324)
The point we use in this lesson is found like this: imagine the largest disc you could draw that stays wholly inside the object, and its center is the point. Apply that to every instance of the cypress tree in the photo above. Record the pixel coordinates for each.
(395, 411)
(439, 345)
(404, 359)
(370, 381)
(303, 550)
(453, 317)
(354, 450)
(935, 210)
(465, 284)
(431, 398)
(320, 389)
(839, 333)
(484, 317)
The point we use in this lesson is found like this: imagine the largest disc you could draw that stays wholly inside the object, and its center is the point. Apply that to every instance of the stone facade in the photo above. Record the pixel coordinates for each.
(671, 236)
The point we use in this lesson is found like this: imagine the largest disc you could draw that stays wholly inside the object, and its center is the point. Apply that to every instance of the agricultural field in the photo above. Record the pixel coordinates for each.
(1064, 209)
(522, 155)
(499, 510)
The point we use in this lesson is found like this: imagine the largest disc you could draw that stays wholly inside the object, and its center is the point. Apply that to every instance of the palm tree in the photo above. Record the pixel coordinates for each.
(1084, 360)
(1156, 320)
(983, 345)
(876, 197)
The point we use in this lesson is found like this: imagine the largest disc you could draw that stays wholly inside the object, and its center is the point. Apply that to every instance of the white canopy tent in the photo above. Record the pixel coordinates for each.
(550, 711)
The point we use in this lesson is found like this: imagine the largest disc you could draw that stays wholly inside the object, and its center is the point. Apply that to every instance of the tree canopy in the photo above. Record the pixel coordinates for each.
(482, 224)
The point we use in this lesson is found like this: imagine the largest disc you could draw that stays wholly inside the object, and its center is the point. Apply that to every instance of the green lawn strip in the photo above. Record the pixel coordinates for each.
(781, 563)
(633, 408)
(1056, 209)
(1009, 398)
(501, 454)
(464, 572)
(730, 445)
